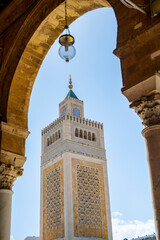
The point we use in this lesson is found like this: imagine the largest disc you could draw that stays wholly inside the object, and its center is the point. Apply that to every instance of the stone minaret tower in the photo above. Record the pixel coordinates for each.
(74, 182)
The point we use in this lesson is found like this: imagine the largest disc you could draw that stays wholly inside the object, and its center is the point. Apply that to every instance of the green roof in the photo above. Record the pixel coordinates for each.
(71, 94)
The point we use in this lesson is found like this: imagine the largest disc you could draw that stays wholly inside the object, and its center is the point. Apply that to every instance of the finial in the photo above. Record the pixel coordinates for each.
(70, 83)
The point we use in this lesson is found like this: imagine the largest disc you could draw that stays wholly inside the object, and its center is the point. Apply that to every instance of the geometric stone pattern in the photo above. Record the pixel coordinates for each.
(89, 207)
(88, 195)
(53, 202)
(53, 197)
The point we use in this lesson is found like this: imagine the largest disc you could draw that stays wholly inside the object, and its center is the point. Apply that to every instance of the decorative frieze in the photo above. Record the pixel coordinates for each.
(8, 174)
(70, 146)
(148, 109)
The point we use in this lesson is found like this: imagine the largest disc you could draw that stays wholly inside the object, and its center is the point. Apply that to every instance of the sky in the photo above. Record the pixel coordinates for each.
(97, 80)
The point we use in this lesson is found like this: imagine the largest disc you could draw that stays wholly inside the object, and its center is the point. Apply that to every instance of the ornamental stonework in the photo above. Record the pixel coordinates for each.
(8, 174)
(53, 202)
(89, 200)
(148, 109)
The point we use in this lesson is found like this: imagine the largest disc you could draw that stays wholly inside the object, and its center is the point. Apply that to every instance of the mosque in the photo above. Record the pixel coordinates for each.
(27, 31)
(74, 183)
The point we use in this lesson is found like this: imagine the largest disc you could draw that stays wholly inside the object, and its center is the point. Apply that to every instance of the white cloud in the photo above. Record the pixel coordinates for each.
(130, 229)
(12, 238)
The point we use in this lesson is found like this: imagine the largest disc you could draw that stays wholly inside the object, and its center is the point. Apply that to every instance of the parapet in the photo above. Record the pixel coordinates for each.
(83, 121)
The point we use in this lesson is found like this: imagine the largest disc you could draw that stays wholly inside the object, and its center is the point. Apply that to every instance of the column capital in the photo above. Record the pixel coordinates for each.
(145, 99)
(148, 109)
(8, 174)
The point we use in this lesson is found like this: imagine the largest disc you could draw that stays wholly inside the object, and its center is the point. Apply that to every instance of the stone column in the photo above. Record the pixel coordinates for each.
(8, 175)
(148, 108)
(11, 162)
(145, 100)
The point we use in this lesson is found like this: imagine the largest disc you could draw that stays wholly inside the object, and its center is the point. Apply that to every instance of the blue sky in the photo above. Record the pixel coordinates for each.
(97, 80)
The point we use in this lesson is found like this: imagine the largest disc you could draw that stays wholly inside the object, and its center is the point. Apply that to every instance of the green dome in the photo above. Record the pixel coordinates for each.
(71, 94)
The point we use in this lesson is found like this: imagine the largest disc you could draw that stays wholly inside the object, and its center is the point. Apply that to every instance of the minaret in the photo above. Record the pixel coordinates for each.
(74, 183)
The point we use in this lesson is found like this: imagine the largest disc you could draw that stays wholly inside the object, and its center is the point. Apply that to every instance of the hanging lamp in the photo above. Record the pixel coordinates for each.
(66, 51)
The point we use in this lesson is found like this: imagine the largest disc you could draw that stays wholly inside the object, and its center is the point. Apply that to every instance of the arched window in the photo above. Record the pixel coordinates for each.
(50, 139)
(53, 138)
(63, 112)
(89, 136)
(81, 133)
(59, 134)
(56, 136)
(76, 132)
(47, 141)
(76, 112)
(85, 135)
(93, 137)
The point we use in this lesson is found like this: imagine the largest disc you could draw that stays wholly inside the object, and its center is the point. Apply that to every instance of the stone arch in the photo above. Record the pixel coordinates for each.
(34, 53)
(30, 38)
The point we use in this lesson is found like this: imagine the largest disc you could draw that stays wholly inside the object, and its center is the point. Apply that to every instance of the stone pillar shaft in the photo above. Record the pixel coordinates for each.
(152, 140)
(5, 213)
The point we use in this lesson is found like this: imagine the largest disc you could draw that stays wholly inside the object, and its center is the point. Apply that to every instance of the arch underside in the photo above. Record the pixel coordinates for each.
(34, 53)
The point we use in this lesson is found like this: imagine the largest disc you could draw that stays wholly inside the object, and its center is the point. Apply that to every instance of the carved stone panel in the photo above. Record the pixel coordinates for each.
(53, 202)
(89, 200)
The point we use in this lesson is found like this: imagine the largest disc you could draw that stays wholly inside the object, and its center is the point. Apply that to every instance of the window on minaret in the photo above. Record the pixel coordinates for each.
(59, 134)
(47, 141)
(53, 138)
(81, 133)
(93, 137)
(76, 112)
(63, 112)
(50, 139)
(76, 132)
(89, 136)
(85, 135)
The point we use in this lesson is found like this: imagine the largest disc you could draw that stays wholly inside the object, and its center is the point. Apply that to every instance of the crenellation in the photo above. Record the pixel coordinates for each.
(83, 121)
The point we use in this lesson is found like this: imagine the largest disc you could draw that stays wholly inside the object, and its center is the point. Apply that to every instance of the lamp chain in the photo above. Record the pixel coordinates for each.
(66, 14)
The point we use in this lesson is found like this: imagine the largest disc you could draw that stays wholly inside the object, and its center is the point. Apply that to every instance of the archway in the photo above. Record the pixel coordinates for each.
(15, 131)
(103, 86)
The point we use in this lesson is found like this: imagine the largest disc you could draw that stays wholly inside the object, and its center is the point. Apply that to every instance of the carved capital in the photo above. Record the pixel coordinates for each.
(8, 174)
(148, 109)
